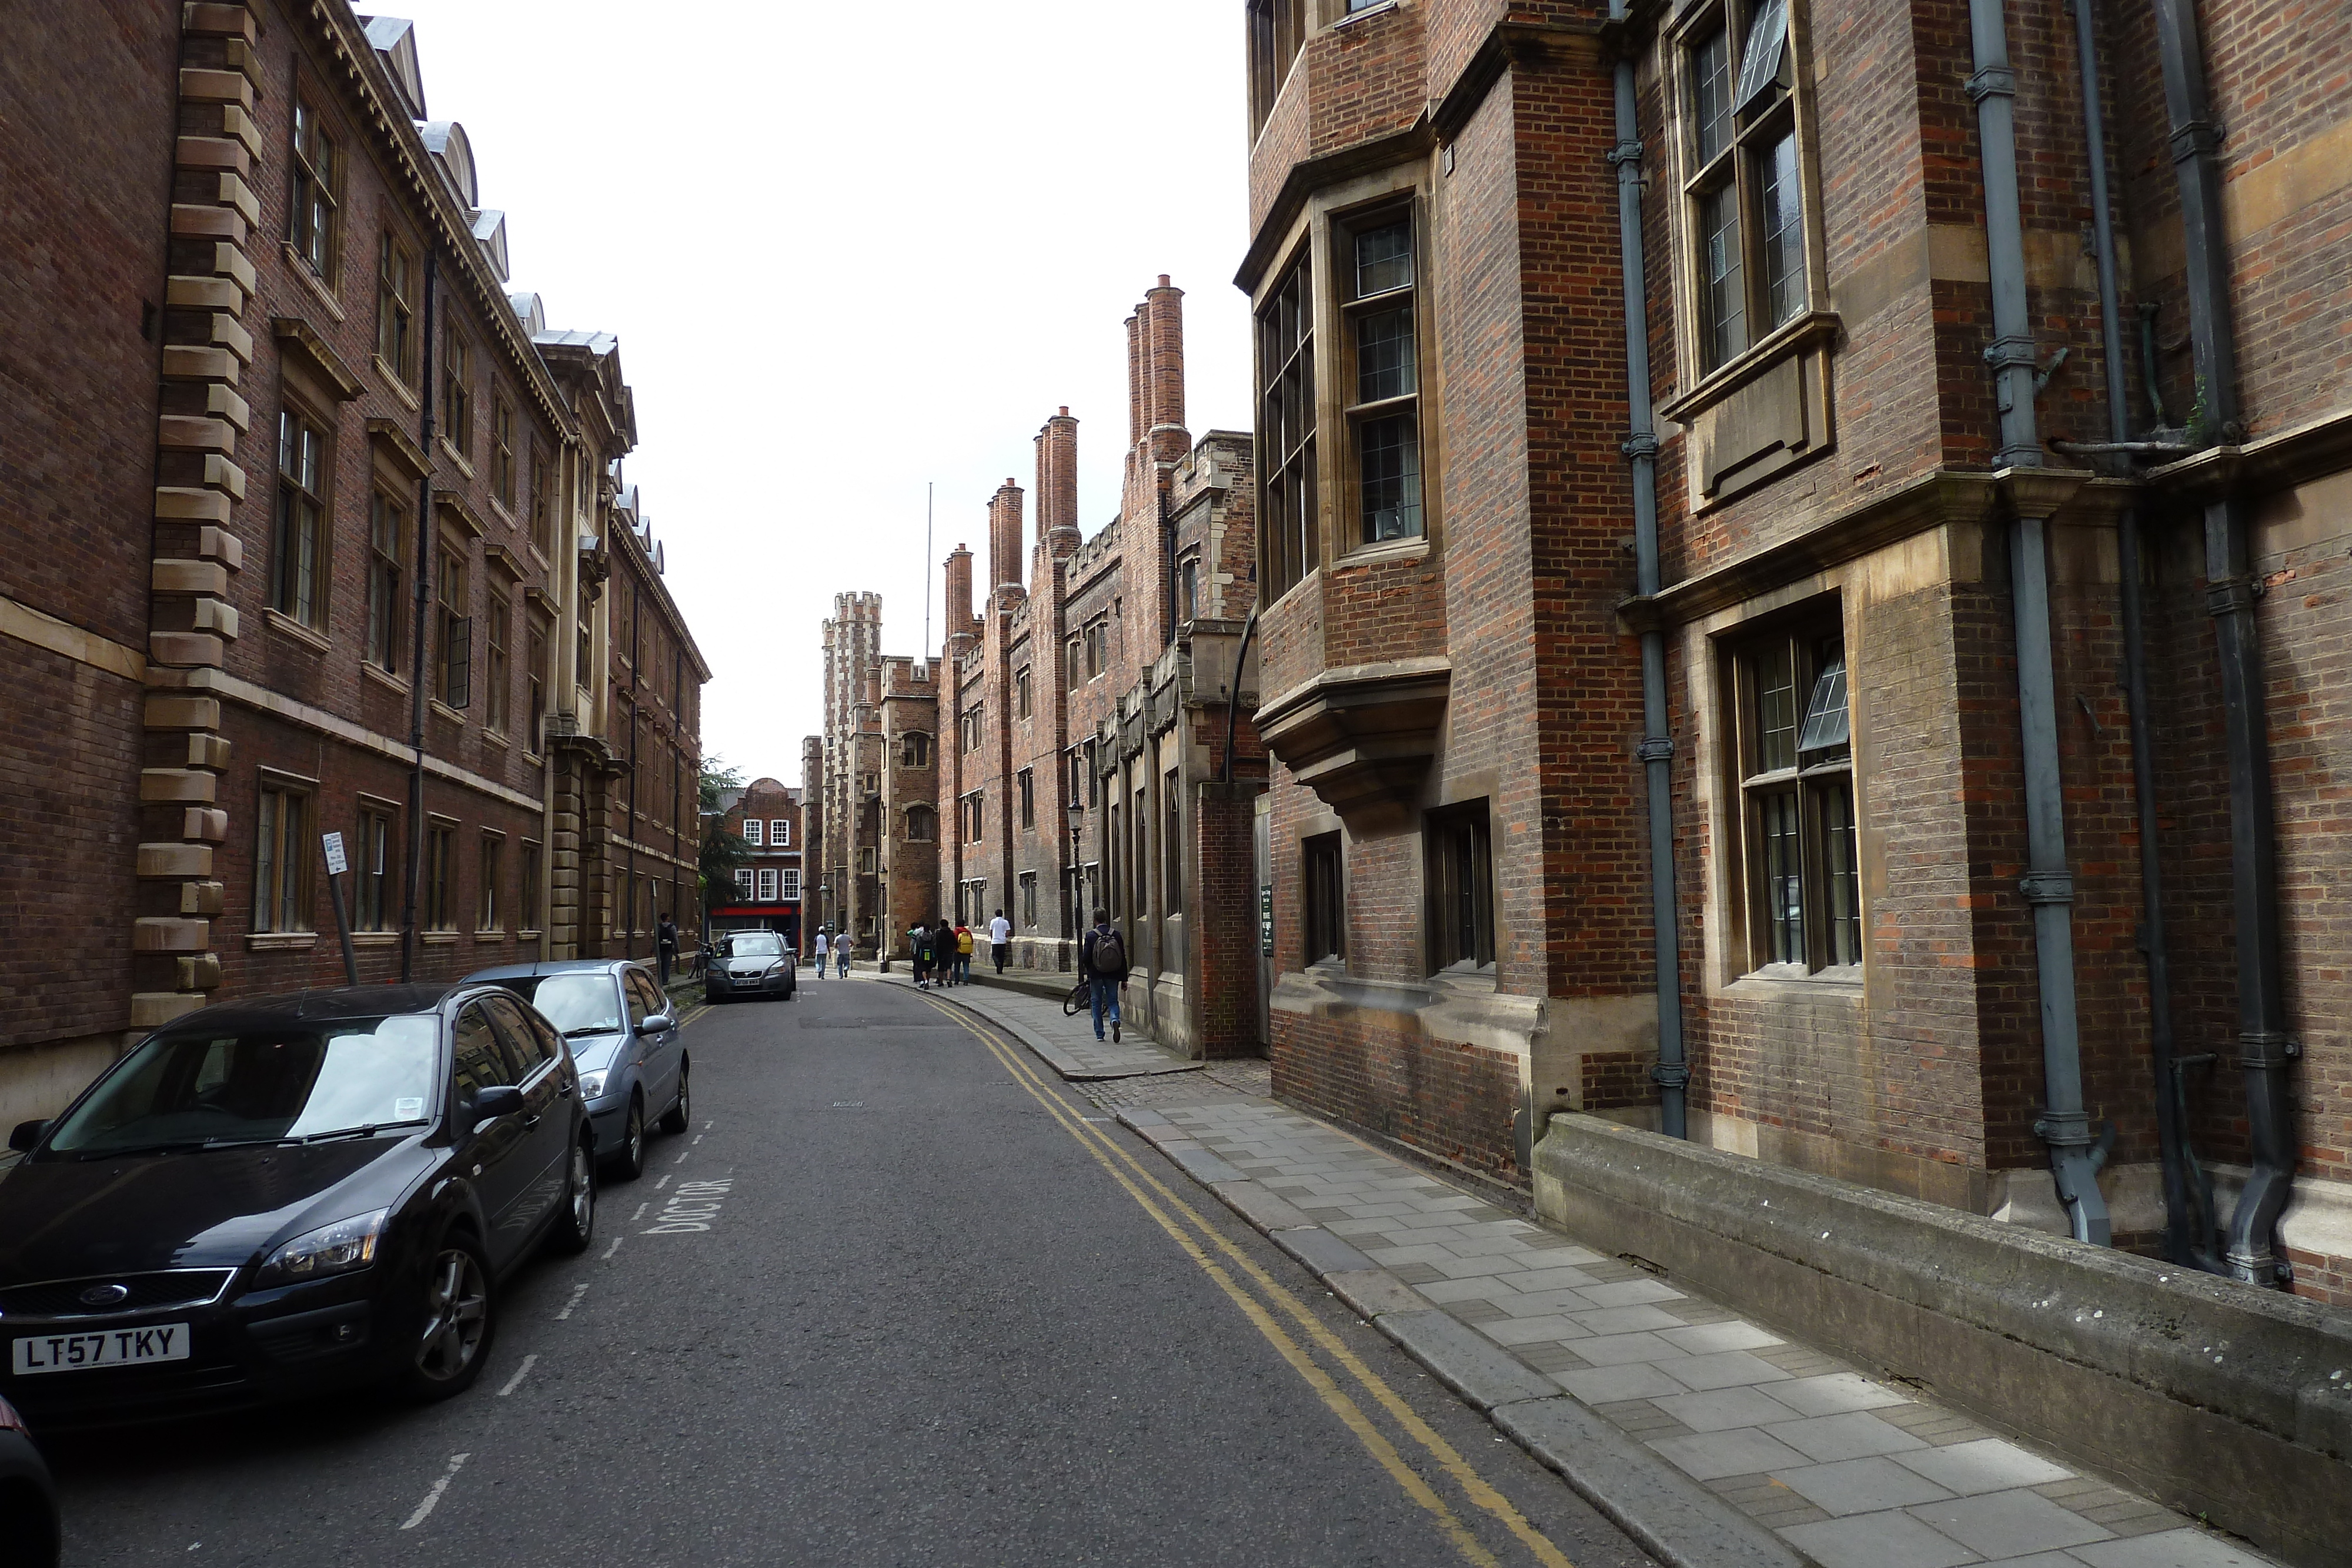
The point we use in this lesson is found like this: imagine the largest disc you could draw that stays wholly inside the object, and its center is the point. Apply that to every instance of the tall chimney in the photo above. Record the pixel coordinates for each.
(1005, 537)
(1136, 423)
(959, 617)
(1057, 484)
(1166, 373)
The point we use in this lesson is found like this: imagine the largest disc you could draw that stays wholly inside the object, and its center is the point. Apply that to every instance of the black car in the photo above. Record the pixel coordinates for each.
(750, 964)
(30, 1532)
(276, 1198)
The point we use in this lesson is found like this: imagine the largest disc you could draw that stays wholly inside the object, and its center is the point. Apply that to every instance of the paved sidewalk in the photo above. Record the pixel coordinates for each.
(1066, 1044)
(1852, 1472)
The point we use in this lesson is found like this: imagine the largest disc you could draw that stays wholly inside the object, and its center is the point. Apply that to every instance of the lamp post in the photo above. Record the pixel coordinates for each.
(1076, 812)
(823, 907)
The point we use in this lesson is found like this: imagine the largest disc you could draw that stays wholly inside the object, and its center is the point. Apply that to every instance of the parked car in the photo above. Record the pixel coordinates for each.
(277, 1199)
(750, 964)
(624, 1036)
(30, 1536)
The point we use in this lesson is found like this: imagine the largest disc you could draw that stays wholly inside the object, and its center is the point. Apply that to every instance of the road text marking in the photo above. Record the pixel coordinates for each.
(691, 1207)
(425, 1508)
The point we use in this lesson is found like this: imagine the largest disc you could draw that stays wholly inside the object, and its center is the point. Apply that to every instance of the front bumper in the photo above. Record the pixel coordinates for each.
(720, 985)
(289, 1342)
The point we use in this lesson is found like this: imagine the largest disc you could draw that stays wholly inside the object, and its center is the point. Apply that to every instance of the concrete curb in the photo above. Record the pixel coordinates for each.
(1667, 1514)
(1070, 1069)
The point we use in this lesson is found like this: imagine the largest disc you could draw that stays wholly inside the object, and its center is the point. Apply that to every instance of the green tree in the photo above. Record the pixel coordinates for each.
(722, 851)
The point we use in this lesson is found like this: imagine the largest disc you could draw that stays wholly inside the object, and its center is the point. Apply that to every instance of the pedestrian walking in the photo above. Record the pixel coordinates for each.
(1102, 959)
(919, 952)
(666, 944)
(822, 949)
(999, 939)
(963, 954)
(840, 953)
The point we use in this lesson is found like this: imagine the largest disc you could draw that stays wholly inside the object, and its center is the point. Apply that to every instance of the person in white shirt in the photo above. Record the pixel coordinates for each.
(999, 939)
(821, 950)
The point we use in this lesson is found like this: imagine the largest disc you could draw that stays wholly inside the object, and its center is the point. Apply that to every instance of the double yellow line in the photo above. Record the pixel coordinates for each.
(1166, 1209)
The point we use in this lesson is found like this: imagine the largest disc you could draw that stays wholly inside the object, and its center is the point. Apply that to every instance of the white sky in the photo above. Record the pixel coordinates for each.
(849, 248)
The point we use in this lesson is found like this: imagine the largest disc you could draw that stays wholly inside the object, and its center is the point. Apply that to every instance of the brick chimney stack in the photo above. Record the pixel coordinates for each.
(1005, 542)
(1136, 422)
(1057, 484)
(1164, 372)
(961, 623)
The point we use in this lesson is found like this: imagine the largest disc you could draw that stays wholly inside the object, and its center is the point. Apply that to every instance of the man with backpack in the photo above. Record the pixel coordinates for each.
(962, 970)
(919, 952)
(1102, 959)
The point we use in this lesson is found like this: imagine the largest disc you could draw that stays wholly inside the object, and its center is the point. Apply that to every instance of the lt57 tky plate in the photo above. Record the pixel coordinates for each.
(114, 1347)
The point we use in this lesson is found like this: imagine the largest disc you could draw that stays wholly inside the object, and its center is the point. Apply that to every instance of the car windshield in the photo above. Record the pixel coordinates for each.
(755, 944)
(581, 1001)
(203, 1088)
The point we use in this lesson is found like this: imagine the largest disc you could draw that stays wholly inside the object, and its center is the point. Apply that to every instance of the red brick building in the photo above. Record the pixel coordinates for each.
(1101, 675)
(308, 535)
(870, 777)
(767, 892)
(1983, 563)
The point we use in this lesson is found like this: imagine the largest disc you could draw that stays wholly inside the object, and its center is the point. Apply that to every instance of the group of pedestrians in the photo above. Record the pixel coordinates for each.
(941, 954)
(829, 946)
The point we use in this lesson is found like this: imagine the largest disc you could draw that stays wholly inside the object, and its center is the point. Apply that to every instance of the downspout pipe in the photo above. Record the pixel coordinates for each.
(2187, 1222)
(417, 638)
(1672, 1073)
(2049, 884)
(2250, 1246)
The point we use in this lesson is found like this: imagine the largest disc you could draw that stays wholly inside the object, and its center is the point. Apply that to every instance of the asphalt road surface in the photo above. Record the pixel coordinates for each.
(897, 1297)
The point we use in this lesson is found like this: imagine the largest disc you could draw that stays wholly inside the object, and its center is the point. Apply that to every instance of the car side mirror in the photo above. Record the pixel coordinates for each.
(498, 1100)
(25, 1134)
(656, 1023)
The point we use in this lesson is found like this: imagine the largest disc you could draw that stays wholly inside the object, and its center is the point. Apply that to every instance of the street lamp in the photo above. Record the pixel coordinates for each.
(1076, 812)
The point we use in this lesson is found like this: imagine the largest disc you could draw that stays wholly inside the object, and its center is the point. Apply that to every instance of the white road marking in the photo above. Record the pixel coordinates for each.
(708, 1126)
(690, 1208)
(521, 1373)
(577, 1292)
(616, 1246)
(661, 1184)
(641, 1209)
(698, 1138)
(425, 1508)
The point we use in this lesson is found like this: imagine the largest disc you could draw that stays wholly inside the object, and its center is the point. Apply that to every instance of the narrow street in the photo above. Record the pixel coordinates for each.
(896, 1296)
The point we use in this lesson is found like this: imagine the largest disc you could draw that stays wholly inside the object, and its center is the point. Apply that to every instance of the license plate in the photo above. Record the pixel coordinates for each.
(115, 1347)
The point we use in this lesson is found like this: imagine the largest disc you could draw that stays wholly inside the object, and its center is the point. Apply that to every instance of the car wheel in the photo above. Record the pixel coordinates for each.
(681, 1115)
(629, 1160)
(457, 1322)
(575, 1228)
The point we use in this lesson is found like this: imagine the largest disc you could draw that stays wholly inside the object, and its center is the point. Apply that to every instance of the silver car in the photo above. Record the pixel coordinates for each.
(750, 964)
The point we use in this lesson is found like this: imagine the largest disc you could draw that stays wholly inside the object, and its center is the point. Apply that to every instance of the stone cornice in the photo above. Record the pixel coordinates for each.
(334, 25)
(2279, 461)
(1310, 174)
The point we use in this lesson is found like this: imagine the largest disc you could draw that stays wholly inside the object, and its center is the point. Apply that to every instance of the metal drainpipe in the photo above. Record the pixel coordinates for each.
(2264, 1049)
(2048, 886)
(1672, 1073)
(2187, 1193)
(417, 641)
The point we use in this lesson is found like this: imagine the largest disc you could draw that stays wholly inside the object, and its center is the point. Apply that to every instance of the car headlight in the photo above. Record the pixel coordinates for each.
(336, 1248)
(777, 967)
(592, 1084)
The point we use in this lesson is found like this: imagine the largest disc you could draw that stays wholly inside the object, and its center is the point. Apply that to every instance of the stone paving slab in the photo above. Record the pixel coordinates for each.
(1814, 1460)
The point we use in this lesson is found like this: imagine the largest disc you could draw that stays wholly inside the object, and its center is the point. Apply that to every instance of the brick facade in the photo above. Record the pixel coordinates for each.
(767, 892)
(1827, 485)
(238, 451)
(1100, 672)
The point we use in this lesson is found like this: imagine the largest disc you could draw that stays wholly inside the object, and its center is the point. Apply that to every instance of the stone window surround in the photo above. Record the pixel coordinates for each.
(1788, 361)
(1317, 234)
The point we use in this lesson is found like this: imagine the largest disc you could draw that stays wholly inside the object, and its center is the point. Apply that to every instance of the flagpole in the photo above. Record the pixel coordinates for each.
(927, 569)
